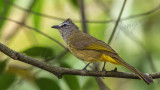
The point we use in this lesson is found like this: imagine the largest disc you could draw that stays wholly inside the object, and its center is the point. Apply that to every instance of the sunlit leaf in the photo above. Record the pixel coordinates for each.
(74, 3)
(97, 30)
(47, 84)
(6, 81)
(4, 11)
(37, 8)
(2, 66)
(43, 52)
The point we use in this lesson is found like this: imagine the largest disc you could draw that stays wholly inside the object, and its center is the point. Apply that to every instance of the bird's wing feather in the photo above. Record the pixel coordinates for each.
(87, 42)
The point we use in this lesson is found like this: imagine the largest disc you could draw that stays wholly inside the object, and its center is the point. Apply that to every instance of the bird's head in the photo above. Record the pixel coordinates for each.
(66, 26)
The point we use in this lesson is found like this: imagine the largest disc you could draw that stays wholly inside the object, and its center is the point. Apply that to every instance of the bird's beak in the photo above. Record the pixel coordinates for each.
(56, 26)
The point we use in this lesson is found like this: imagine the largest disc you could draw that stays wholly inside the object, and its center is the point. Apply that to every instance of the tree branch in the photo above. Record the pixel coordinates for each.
(59, 71)
(83, 17)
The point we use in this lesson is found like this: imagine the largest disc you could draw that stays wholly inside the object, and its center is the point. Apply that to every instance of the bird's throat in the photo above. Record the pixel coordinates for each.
(66, 34)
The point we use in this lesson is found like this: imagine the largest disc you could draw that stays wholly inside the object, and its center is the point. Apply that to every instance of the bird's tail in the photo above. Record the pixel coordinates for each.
(141, 75)
(117, 60)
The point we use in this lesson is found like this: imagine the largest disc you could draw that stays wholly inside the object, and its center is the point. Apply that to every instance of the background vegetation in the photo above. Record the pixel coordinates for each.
(25, 26)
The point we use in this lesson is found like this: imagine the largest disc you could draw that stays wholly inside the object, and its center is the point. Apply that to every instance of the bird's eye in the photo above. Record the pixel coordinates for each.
(64, 25)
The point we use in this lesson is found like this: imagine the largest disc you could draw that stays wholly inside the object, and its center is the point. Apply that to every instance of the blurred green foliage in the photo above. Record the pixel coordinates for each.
(6, 80)
(72, 81)
(4, 11)
(47, 84)
(2, 66)
(37, 8)
(74, 3)
(46, 53)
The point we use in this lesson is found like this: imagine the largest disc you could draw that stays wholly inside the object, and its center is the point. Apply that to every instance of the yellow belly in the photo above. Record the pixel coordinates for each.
(92, 56)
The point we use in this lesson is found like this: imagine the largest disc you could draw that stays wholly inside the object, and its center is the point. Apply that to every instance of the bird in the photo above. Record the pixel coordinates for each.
(88, 48)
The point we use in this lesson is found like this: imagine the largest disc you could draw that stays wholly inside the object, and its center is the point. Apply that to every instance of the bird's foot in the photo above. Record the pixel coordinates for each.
(103, 69)
(115, 69)
(84, 69)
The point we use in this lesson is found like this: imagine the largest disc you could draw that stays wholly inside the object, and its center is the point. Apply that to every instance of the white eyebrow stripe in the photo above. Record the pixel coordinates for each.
(63, 24)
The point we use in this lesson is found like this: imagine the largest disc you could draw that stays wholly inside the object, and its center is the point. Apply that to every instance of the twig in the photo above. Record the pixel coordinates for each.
(34, 29)
(59, 71)
(143, 14)
(83, 17)
(44, 15)
(117, 22)
(93, 21)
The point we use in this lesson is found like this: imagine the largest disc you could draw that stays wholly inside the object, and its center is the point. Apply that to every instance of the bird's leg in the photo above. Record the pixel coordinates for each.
(103, 69)
(115, 69)
(85, 68)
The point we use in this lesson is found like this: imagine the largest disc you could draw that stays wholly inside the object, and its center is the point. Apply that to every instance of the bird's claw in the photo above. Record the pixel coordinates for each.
(115, 69)
(84, 69)
(103, 69)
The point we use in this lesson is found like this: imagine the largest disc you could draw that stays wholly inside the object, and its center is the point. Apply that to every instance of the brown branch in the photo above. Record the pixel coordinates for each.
(59, 71)
(93, 21)
(83, 17)
(34, 29)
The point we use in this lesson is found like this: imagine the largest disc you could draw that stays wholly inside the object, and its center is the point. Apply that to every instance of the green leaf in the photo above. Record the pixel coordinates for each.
(2, 66)
(64, 65)
(4, 11)
(72, 82)
(97, 30)
(1, 5)
(6, 81)
(47, 84)
(42, 52)
(74, 3)
(37, 8)
(90, 84)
